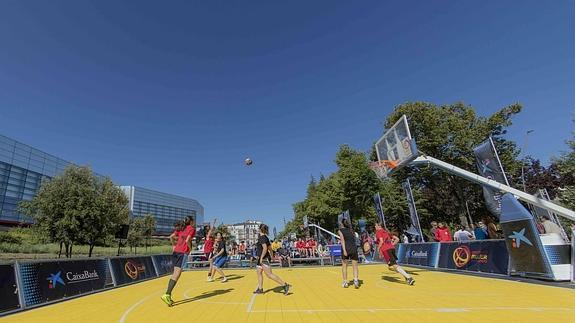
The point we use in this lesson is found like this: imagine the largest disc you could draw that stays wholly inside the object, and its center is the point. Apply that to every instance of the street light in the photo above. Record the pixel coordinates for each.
(523, 162)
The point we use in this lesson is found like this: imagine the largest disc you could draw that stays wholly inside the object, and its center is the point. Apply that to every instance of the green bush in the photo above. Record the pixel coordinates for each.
(7, 238)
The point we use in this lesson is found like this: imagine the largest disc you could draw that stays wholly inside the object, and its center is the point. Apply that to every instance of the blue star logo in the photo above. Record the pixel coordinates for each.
(485, 166)
(520, 236)
(55, 279)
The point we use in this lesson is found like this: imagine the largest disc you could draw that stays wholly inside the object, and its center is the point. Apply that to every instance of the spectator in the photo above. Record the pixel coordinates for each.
(462, 234)
(491, 228)
(242, 250)
(275, 246)
(539, 226)
(550, 227)
(313, 247)
(480, 231)
(404, 238)
(432, 231)
(442, 233)
(308, 247)
(300, 245)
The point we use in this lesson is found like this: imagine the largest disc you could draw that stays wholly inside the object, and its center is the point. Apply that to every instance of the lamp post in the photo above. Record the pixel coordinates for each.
(523, 161)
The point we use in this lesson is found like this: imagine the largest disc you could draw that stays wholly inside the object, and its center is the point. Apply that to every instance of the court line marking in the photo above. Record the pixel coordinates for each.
(441, 309)
(131, 308)
(251, 304)
(138, 303)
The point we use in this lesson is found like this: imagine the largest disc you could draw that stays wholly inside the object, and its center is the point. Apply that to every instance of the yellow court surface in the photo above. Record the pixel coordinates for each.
(318, 297)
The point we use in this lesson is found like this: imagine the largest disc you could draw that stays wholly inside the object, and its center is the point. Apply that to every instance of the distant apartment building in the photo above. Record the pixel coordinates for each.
(246, 231)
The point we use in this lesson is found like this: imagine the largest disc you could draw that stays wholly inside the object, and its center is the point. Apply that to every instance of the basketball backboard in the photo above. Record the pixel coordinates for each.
(394, 149)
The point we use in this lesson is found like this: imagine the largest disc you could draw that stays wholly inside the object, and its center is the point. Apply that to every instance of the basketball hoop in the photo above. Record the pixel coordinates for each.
(383, 167)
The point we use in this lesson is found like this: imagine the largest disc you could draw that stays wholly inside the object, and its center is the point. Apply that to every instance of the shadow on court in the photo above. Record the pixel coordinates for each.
(393, 279)
(203, 296)
(411, 272)
(278, 289)
(234, 277)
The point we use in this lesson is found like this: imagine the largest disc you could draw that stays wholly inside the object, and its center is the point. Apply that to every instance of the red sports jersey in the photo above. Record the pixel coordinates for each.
(387, 244)
(209, 245)
(181, 245)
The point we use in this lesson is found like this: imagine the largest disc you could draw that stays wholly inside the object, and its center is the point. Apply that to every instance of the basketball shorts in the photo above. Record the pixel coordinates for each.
(390, 257)
(178, 259)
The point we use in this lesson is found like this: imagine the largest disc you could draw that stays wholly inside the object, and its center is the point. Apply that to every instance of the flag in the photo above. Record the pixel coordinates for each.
(415, 226)
(489, 166)
(378, 208)
(344, 215)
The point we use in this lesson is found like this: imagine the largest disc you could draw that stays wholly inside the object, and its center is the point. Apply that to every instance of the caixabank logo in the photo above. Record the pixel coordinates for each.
(517, 237)
(133, 269)
(55, 279)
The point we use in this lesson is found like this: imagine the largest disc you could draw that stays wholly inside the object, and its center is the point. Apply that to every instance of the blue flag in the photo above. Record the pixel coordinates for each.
(489, 166)
(378, 208)
(415, 228)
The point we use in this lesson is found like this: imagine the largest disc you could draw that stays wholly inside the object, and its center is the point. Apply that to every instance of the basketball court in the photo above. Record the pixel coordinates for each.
(317, 296)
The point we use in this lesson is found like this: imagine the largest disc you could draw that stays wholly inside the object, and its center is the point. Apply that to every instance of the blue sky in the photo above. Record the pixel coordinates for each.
(174, 95)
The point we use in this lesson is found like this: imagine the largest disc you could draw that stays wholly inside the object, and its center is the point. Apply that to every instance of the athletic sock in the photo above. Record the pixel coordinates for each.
(171, 285)
(401, 271)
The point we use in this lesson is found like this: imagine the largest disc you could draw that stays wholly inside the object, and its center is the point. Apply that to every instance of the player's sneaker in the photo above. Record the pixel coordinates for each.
(345, 284)
(225, 279)
(210, 279)
(356, 283)
(259, 291)
(167, 298)
(410, 281)
(286, 288)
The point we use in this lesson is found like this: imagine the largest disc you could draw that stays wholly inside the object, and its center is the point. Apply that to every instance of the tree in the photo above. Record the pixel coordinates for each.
(109, 211)
(76, 207)
(537, 176)
(395, 208)
(449, 133)
(149, 226)
(566, 167)
(136, 233)
(351, 188)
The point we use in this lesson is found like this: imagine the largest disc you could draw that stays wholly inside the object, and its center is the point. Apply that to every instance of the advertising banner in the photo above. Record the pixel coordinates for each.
(379, 209)
(8, 289)
(54, 280)
(487, 256)
(489, 166)
(163, 264)
(527, 255)
(415, 228)
(132, 269)
(420, 254)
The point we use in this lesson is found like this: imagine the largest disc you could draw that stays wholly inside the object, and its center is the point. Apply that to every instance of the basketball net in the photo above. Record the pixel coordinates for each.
(383, 167)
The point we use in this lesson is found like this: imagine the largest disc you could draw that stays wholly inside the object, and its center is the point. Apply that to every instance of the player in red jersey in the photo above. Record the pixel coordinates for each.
(386, 245)
(209, 249)
(181, 249)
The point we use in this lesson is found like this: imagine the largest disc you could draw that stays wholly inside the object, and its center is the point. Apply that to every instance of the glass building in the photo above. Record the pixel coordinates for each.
(22, 169)
(166, 208)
